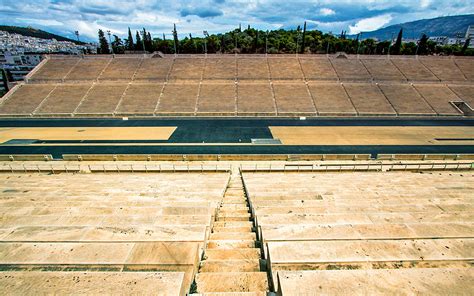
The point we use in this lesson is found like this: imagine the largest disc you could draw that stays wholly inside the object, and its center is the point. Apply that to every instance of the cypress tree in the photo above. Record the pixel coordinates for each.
(104, 46)
(176, 40)
(423, 44)
(303, 42)
(130, 45)
(398, 44)
(145, 40)
(150, 43)
(139, 45)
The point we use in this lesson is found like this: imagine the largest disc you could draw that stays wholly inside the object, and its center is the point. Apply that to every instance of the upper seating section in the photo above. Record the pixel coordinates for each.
(245, 85)
(53, 70)
(311, 68)
(220, 69)
(120, 69)
(154, 69)
(87, 69)
(467, 67)
(445, 69)
(383, 69)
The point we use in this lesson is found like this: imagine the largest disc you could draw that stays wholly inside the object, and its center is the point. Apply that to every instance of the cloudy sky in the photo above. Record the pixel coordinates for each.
(194, 16)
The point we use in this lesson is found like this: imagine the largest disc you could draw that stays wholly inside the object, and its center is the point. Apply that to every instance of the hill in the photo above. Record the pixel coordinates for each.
(440, 26)
(29, 31)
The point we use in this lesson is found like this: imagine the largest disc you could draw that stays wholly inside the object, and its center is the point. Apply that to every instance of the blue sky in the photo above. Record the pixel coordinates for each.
(194, 16)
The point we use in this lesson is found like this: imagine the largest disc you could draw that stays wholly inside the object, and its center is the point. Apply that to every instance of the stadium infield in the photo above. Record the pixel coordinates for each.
(252, 136)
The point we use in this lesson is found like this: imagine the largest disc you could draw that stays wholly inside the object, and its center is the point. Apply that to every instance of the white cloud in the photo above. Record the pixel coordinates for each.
(326, 11)
(370, 24)
(425, 3)
(91, 29)
(65, 16)
(41, 22)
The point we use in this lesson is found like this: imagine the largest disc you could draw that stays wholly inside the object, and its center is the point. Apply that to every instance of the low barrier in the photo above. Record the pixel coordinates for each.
(233, 157)
(360, 167)
(40, 168)
(111, 168)
(214, 157)
(157, 168)
(26, 157)
(425, 157)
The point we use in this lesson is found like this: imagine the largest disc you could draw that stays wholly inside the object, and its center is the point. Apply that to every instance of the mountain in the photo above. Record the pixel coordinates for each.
(440, 26)
(32, 32)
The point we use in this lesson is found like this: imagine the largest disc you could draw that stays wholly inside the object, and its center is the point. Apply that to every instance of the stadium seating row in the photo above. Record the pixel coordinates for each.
(78, 229)
(242, 98)
(381, 231)
(432, 69)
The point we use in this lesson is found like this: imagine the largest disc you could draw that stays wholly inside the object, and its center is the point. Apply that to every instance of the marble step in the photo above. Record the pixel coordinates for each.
(230, 294)
(232, 229)
(233, 211)
(233, 214)
(241, 218)
(230, 265)
(232, 282)
(230, 244)
(233, 223)
(235, 206)
(233, 236)
(232, 254)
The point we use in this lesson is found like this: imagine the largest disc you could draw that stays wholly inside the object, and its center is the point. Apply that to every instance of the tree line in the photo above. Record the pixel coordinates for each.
(251, 40)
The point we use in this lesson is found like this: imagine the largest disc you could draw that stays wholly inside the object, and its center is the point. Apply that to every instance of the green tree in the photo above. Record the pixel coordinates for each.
(147, 41)
(398, 44)
(303, 42)
(175, 39)
(117, 45)
(423, 45)
(129, 42)
(103, 45)
(139, 44)
(150, 42)
(282, 41)
(255, 41)
(368, 46)
(408, 48)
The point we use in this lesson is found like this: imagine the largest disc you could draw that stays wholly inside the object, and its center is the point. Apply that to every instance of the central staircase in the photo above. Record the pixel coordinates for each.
(231, 263)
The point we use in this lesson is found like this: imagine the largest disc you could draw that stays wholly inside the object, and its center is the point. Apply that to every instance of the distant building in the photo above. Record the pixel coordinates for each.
(19, 64)
(19, 43)
(445, 40)
(20, 54)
